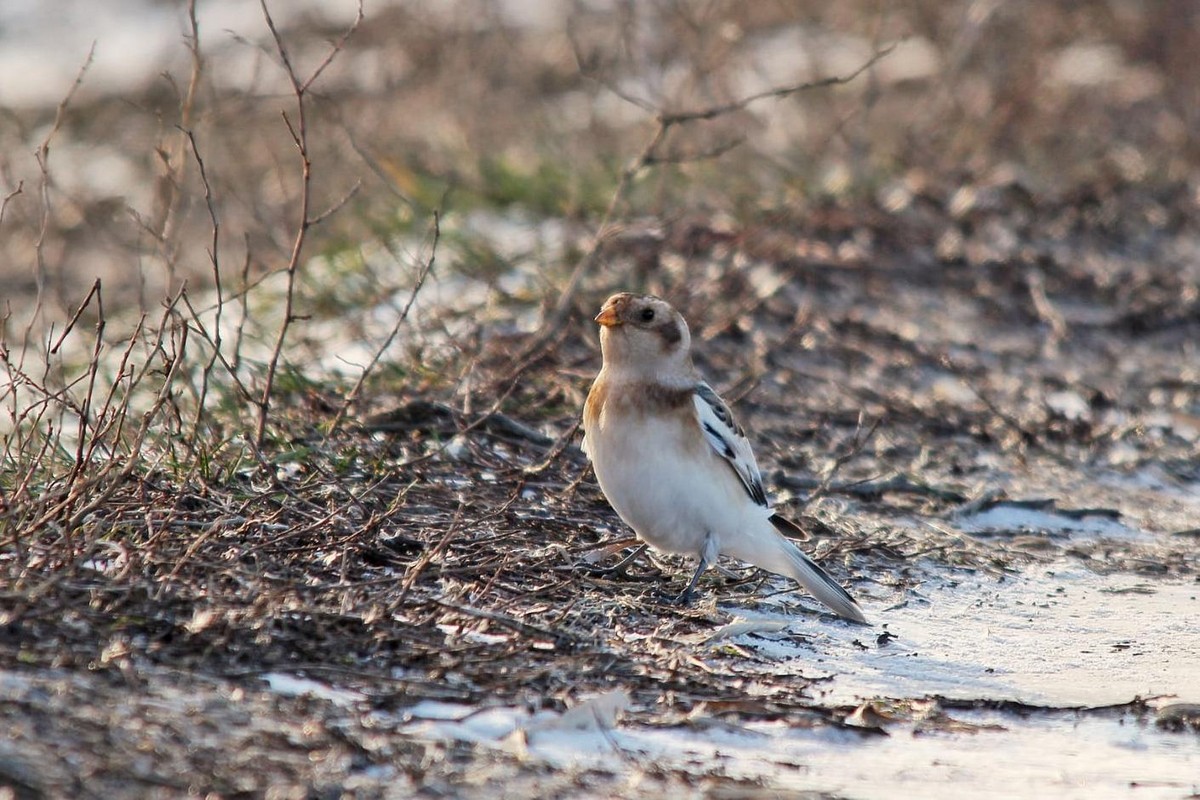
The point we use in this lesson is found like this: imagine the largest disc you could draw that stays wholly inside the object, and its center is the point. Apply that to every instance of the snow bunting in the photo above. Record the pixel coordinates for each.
(672, 460)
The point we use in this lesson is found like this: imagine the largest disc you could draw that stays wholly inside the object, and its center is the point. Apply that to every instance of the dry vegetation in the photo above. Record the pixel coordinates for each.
(899, 277)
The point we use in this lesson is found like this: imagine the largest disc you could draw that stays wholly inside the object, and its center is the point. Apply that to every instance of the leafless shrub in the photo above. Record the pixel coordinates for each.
(105, 402)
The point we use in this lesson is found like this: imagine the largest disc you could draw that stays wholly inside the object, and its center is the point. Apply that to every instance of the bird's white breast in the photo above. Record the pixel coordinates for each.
(665, 482)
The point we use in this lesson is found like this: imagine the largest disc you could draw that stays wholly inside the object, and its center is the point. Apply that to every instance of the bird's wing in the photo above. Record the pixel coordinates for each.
(729, 441)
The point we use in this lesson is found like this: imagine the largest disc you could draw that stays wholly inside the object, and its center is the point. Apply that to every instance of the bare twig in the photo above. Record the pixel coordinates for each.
(85, 413)
(82, 491)
(778, 93)
(215, 261)
(239, 333)
(422, 274)
(1046, 312)
(43, 161)
(337, 204)
(414, 572)
(298, 129)
(708, 154)
(651, 156)
(94, 292)
(217, 353)
(858, 443)
(173, 156)
(9, 197)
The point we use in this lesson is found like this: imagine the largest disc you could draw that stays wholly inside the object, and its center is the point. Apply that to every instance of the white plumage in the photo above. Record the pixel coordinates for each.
(672, 460)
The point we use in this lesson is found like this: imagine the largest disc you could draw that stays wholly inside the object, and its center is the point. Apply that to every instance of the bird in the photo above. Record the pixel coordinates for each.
(674, 463)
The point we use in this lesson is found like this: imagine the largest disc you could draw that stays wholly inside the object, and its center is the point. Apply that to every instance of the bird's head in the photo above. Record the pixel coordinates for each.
(644, 335)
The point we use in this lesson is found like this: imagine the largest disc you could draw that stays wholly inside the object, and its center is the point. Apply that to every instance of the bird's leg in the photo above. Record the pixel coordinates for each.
(708, 556)
(685, 597)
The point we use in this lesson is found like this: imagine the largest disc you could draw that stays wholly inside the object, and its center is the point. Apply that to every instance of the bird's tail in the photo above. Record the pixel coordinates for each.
(795, 564)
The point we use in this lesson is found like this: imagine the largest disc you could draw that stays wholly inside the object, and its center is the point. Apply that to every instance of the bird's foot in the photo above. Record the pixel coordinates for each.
(683, 599)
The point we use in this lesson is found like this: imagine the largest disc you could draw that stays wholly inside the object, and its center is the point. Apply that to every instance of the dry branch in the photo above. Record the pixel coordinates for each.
(299, 133)
(650, 156)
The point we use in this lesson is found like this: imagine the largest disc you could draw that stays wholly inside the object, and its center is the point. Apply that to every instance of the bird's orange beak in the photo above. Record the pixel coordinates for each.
(608, 316)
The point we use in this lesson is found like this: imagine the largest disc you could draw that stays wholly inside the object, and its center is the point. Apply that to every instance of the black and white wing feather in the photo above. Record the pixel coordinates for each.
(729, 441)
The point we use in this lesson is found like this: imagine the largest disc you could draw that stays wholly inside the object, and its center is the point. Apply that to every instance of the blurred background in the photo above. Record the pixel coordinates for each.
(516, 118)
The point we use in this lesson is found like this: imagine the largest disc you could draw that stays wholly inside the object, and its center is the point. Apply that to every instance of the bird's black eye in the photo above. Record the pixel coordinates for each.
(647, 315)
